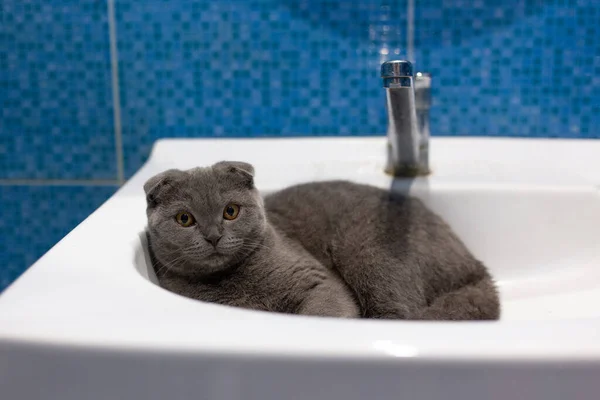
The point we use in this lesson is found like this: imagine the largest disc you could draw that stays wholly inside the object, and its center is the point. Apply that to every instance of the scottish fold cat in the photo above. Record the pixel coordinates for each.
(335, 249)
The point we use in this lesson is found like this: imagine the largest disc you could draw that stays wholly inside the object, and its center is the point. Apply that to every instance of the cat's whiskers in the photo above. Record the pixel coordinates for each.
(170, 265)
(185, 249)
(203, 253)
(256, 244)
(235, 248)
(185, 253)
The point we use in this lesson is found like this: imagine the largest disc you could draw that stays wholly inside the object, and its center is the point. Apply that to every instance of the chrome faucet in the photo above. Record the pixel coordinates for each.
(408, 103)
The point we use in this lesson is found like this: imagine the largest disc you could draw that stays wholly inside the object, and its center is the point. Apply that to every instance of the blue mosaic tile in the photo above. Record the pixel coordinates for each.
(34, 218)
(56, 117)
(253, 68)
(512, 68)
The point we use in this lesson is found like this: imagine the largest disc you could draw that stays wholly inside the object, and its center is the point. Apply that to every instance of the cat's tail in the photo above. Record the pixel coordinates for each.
(477, 301)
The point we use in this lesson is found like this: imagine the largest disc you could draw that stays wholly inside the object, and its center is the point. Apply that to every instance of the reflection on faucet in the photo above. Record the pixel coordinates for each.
(408, 105)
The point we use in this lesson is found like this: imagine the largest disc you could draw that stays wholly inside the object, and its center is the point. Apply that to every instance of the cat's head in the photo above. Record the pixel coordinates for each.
(204, 220)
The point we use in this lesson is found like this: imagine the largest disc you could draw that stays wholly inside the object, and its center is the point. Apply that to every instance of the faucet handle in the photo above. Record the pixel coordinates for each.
(397, 73)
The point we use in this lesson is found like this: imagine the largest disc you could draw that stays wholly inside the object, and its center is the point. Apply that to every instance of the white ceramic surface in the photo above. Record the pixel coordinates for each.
(87, 322)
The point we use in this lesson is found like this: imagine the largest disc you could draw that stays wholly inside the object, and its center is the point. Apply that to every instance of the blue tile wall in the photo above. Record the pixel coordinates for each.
(36, 217)
(56, 123)
(56, 91)
(253, 68)
(512, 68)
(261, 68)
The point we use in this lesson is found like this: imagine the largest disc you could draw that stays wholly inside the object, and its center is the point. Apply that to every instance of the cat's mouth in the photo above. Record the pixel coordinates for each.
(216, 255)
(222, 252)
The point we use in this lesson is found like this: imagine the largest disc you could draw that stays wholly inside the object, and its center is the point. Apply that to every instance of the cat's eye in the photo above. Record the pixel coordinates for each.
(185, 219)
(231, 211)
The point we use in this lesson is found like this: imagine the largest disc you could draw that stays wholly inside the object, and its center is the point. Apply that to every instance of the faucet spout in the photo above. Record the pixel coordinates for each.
(408, 136)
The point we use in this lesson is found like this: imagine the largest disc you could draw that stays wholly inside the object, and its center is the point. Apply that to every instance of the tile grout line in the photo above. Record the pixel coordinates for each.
(116, 96)
(410, 30)
(59, 182)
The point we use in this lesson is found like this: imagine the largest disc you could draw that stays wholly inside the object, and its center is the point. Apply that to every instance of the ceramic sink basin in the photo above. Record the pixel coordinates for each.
(88, 321)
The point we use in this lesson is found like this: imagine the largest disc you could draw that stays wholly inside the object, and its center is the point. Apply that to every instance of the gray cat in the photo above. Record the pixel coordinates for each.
(331, 249)
(211, 240)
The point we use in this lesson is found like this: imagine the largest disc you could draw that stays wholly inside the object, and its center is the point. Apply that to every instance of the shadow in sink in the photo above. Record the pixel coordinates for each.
(143, 259)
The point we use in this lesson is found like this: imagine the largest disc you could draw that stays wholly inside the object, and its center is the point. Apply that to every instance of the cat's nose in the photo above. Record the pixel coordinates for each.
(213, 239)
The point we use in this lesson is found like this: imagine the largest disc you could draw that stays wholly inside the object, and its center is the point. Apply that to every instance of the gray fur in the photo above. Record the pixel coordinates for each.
(253, 265)
(400, 259)
(330, 248)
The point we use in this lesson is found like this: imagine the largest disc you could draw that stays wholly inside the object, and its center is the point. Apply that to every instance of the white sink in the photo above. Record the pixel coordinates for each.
(87, 322)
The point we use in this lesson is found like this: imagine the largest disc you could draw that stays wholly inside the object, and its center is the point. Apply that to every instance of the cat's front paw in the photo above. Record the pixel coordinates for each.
(325, 305)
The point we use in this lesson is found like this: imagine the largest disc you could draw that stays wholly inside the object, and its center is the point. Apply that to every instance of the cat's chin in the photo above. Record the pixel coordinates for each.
(216, 261)
(212, 264)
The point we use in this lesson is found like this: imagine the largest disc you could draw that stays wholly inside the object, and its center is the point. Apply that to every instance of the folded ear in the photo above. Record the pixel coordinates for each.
(241, 171)
(156, 185)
